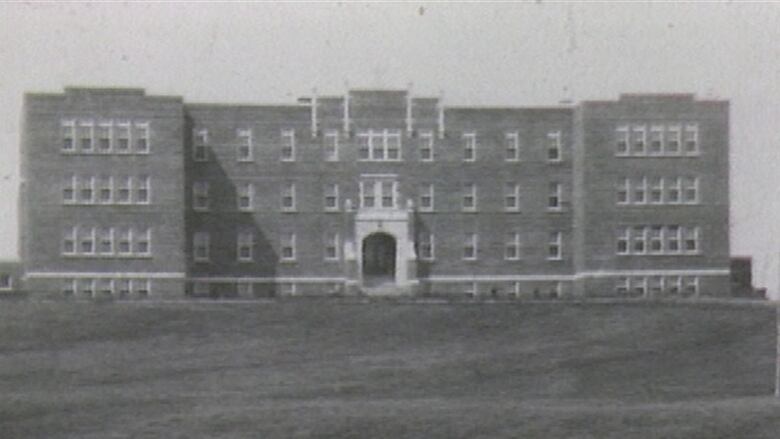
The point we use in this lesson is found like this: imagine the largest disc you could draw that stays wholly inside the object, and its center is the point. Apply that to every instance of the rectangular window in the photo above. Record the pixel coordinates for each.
(200, 196)
(68, 135)
(554, 147)
(690, 285)
(368, 196)
(141, 136)
(691, 139)
(69, 189)
(470, 246)
(426, 197)
(332, 244)
(673, 239)
(106, 243)
(469, 147)
(104, 135)
(623, 240)
(673, 284)
(69, 241)
(511, 147)
(125, 239)
(640, 191)
(246, 195)
(656, 240)
(656, 190)
(512, 197)
(623, 188)
(288, 247)
(201, 246)
(690, 190)
(86, 133)
(656, 140)
(331, 197)
(621, 141)
(554, 196)
(639, 286)
(87, 287)
(622, 286)
(87, 190)
(364, 146)
(143, 189)
(142, 287)
(5, 281)
(245, 246)
(68, 287)
(86, 241)
(123, 137)
(393, 144)
(512, 247)
(105, 189)
(691, 239)
(288, 197)
(331, 146)
(124, 287)
(244, 148)
(106, 287)
(288, 145)
(426, 146)
(639, 143)
(640, 240)
(656, 285)
(554, 246)
(469, 197)
(425, 247)
(673, 140)
(200, 150)
(124, 188)
(143, 242)
(388, 194)
(673, 191)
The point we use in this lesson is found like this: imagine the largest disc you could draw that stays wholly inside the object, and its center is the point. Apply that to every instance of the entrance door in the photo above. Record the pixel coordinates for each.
(378, 259)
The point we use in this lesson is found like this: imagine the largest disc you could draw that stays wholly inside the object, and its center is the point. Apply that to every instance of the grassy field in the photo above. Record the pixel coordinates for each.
(292, 369)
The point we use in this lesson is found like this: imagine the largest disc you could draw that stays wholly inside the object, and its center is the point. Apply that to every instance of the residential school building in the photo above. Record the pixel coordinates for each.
(376, 192)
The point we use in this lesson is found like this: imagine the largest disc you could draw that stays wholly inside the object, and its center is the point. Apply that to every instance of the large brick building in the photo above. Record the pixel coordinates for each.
(376, 191)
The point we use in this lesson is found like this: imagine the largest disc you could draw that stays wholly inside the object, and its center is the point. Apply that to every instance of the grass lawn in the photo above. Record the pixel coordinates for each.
(328, 368)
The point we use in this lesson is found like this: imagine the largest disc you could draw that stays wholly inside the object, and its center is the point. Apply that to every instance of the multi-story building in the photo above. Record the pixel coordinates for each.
(376, 191)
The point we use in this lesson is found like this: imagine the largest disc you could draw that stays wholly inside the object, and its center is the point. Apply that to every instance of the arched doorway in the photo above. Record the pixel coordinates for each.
(378, 259)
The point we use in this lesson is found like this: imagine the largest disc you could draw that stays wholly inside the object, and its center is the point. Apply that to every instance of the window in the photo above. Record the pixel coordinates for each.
(426, 197)
(512, 247)
(246, 195)
(621, 142)
(68, 135)
(245, 246)
(86, 241)
(288, 288)
(656, 140)
(367, 190)
(393, 142)
(123, 137)
(331, 197)
(640, 240)
(200, 150)
(69, 189)
(691, 239)
(512, 197)
(124, 287)
(200, 195)
(425, 247)
(86, 132)
(244, 149)
(554, 147)
(68, 287)
(288, 145)
(5, 281)
(554, 244)
(388, 194)
(125, 238)
(511, 147)
(673, 284)
(69, 241)
(87, 190)
(288, 197)
(382, 145)
(332, 245)
(331, 146)
(142, 287)
(123, 191)
(141, 136)
(691, 139)
(623, 188)
(623, 239)
(200, 246)
(87, 287)
(364, 147)
(690, 190)
(639, 285)
(673, 239)
(639, 140)
(554, 197)
(640, 191)
(622, 286)
(469, 147)
(426, 146)
(143, 242)
(104, 135)
(673, 141)
(470, 246)
(381, 191)
(106, 287)
(105, 189)
(673, 191)
(143, 189)
(690, 285)
(656, 285)
(106, 243)
(288, 247)
(656, 240)
(470, 197)
(656, 190)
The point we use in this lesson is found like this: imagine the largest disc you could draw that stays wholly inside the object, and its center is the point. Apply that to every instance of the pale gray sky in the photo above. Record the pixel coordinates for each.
(477, 54)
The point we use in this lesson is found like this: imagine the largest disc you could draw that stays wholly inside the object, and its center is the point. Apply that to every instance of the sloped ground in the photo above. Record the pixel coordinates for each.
(350, 370)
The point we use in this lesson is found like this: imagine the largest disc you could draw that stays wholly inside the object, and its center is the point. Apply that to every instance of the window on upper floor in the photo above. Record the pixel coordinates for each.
(331, 146)
(143, 242)
(656, 140)
(640, 191)
(200, 195)
(123, 137)
(690, 190)
(124, 189)
(124, 241)
(673, 136)
(511, 197)
(469, 203)
(511, 147)
(426, 197)
(105, 189)
(639, 140)
(331, 200)
(288, 146)
(69, 189)
(246, 195)
(554, 145)
(245, 243)
(379, 145)
(69, 237)
(141, 136)
(104, 136)
(426, 146)
(68, 129)
(470, 246)
(332, 244)
(201, 243)
(143, 189)
(87, 190)
(554, 193)
(691, 139)
(244, 147)
(426, 247)
(86, 132)
(555, 246)
(656, 190)
(512, 246)
(622, 137)
(200, 149)
(623, 188)
(288, 246)
(673, 191)
(106, 241)
(86, 240)
(288, 197)
(469, 147)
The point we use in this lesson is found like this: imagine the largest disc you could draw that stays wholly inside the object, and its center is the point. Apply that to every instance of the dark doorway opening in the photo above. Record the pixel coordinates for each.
(378, 259)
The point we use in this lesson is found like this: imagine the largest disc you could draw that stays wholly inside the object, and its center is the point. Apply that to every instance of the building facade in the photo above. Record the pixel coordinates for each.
(374, 192)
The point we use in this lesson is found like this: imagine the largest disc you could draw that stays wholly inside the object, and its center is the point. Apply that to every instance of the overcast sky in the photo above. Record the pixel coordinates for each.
(476, 54)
